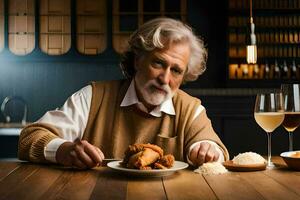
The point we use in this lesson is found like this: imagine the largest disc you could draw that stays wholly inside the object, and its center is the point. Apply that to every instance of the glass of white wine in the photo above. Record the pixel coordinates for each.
(291, 93)
(269, 114)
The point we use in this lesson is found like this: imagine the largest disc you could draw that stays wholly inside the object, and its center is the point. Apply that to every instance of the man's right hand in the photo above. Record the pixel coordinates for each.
(80, 154)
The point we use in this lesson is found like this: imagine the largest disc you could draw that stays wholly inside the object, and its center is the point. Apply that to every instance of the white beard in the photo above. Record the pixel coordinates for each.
(152, 95)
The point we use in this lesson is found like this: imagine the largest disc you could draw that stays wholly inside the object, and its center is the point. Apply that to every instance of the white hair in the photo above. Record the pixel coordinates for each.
(158, 33)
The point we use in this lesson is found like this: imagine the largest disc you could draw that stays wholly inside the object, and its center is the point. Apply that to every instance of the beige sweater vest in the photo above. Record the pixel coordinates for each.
(112, 128)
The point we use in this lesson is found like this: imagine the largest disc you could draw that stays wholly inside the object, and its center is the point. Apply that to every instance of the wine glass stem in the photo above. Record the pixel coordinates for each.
(269, 149)
(290, 141)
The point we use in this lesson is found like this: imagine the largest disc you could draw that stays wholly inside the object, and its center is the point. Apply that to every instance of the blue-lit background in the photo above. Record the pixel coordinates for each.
(46, 81)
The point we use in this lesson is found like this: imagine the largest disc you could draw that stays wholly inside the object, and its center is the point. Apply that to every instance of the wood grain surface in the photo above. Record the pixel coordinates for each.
(22, 180)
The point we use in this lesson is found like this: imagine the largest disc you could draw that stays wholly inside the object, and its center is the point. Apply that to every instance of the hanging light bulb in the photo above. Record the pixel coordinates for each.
(251, 40)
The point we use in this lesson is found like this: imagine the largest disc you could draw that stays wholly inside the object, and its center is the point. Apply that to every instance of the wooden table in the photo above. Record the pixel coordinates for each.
(31, 181)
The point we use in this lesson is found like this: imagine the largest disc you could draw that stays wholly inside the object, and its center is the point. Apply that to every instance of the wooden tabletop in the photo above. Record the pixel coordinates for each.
(19, 180)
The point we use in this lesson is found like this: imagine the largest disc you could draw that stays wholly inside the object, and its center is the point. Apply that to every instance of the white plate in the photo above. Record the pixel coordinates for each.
(178, 165)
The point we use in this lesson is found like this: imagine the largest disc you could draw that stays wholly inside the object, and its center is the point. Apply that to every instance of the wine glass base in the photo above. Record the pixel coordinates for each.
(270, 165)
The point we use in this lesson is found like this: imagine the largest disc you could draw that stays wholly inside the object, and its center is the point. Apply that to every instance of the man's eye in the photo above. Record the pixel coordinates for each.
(157, 63)
(177, 71)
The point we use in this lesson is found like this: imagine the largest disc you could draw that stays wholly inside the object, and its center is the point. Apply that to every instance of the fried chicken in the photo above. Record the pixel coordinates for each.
(146, 156)
(166, 161)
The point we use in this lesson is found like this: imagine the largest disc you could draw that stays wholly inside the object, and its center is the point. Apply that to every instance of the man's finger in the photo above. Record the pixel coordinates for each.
(84, 157)
(209, 157)
(193, 154)
(204, 146)
(100, 153)
(93, 153)
(217, 156)
(75, 161)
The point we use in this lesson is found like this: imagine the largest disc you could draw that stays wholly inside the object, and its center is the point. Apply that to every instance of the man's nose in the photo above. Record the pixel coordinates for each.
(164, 77)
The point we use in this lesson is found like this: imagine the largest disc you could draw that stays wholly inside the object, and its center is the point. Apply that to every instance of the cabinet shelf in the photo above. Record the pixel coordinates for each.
(277, 29)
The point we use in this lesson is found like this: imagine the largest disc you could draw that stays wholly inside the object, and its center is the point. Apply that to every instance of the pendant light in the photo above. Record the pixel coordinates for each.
(251, 40)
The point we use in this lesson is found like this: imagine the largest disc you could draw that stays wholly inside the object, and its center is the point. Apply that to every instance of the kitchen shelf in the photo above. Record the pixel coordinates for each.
(277, 29)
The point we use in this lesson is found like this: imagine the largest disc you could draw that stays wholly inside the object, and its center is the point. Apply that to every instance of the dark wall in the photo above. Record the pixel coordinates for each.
(46, 85)
(209, 20)
(46, 81)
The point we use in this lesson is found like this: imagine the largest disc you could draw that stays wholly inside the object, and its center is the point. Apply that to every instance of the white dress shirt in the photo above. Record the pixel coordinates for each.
(71, 119)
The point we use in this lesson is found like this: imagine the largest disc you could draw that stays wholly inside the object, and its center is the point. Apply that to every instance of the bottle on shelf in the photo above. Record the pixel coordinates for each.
(256, 71)
(245, 71)
(293, 70)
(233, 71)
(285, 72)
(277, 73)
(267, 71)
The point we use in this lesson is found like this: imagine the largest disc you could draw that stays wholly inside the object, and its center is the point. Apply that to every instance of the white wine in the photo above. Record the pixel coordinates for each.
(269, 121)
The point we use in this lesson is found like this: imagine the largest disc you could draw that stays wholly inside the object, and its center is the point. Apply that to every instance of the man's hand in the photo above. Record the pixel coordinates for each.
(202, 153)
(80, 154)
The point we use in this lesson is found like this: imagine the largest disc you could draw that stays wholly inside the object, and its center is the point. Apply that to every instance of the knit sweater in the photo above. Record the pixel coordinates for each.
(112, 127)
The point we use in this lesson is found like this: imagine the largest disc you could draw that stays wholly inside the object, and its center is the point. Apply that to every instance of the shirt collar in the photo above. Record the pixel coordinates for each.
(131, 98)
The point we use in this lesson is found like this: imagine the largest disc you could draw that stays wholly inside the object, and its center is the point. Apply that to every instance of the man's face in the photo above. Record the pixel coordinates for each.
(160, 73)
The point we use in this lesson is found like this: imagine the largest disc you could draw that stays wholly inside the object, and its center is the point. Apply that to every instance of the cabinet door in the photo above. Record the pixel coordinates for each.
(55, 26)
(129, 15)
(91, 34)
(21, 27)
(1, 25)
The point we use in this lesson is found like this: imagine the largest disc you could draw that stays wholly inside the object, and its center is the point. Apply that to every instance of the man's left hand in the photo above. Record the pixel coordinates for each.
(202, 153)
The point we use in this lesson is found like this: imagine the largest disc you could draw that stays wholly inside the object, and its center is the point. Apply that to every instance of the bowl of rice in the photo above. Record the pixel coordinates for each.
(248, 161)
(292, 159)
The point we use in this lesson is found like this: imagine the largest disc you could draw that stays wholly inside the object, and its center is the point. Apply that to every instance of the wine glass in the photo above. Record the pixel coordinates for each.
(269, 114)
(291, 120)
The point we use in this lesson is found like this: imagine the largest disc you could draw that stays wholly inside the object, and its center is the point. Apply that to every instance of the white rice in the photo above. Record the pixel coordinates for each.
(211, 168)
(248, 158)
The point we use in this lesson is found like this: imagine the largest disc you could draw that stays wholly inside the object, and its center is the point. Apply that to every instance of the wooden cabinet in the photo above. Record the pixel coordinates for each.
(90, 24)
(21, 27)
(55, 26)
(278, 39)
(91, 33)
(129, 15)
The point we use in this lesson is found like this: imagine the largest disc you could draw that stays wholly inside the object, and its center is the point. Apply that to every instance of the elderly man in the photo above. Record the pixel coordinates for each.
(103, 118)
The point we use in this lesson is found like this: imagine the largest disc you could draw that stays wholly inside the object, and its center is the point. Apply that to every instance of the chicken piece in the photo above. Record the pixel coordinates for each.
(141, 155)
(147, 157)
(130, 151)
(159, 166)
(164, 162)
(133, 159)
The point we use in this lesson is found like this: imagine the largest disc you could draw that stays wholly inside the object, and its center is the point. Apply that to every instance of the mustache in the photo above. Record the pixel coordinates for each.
(164, 87)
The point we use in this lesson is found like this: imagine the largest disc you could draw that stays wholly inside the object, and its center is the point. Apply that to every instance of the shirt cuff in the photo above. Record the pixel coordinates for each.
(51, 148)
(218, 148)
